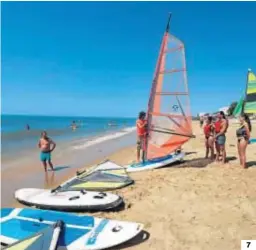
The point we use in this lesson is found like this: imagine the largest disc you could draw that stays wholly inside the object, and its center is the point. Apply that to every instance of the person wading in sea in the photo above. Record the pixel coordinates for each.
(221, 127)
(45, 145)
(141, 125)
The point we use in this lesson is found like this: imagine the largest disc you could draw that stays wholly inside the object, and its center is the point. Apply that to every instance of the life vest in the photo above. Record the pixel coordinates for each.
(217, 126)
(141, 130)
(208, 129)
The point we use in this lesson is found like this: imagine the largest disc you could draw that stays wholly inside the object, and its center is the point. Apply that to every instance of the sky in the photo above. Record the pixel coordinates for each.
(98, 58)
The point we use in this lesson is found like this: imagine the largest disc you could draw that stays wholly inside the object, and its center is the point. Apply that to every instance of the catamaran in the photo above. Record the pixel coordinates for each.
(169, 117)
(247, 103)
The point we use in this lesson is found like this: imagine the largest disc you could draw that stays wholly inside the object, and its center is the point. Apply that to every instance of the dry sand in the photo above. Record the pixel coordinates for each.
(195, 205)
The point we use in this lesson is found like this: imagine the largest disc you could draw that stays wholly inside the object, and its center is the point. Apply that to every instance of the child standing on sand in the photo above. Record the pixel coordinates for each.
(45, 145)
(209, 132)
(141, 124)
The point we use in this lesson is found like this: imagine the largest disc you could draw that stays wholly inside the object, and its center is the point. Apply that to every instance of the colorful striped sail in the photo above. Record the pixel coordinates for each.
(239, 108)
(105, 176)
(250, 99)
(169, 117)
(47, 239)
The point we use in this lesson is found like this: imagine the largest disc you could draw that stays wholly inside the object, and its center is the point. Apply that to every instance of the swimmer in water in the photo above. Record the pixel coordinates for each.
(73, 125)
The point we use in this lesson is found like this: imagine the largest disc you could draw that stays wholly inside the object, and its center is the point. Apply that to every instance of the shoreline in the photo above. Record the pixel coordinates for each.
(64, 143)
(28, 171)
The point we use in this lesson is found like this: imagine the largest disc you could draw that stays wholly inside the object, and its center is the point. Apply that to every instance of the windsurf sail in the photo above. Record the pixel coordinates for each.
(250, 98)
(169, 116)
(239, 108)
(47, 239)
(105, 176)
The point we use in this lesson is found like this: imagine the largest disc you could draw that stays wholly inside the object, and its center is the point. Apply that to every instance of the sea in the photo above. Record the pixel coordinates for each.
(16, 139)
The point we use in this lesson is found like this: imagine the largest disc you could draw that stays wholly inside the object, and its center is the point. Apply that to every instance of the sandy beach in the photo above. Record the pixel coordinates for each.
(195, 205)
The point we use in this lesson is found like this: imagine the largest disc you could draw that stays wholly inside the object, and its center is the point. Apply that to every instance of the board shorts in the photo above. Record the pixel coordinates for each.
(140, 142)
(45, 156)
(221, 139)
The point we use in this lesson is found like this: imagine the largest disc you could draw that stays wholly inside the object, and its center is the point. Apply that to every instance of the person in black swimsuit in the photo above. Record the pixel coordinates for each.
(243, 136)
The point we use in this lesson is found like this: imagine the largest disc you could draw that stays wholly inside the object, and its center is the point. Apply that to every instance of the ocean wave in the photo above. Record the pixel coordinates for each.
(87, 143)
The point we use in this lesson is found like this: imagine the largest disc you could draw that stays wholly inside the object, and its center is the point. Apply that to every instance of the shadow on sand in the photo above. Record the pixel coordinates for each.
(59, 168)
(195, 163)
(140, 238)
(231, 158)
(190, 153)
(119, 208)
(251, 164)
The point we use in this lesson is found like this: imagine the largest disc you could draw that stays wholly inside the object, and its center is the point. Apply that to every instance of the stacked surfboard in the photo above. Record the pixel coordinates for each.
(34, 229)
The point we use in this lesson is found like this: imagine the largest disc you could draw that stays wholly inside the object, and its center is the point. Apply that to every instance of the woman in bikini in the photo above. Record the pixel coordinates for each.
(209, 132)
(243, 136)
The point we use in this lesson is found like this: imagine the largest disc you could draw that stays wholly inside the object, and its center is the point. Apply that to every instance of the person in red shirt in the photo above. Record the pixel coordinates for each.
(217, 130)
(209, 132)
(141, 125)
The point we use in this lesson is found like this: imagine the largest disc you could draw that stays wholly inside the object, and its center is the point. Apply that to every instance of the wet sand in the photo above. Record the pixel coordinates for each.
(195, 205)
(28, 172)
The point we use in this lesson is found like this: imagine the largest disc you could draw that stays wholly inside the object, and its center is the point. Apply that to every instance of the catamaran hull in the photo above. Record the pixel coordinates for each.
(156, 163)
(79, 233)
(68, 200)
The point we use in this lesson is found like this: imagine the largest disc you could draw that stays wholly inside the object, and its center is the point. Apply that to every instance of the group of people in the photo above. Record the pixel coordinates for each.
(215, 137)
(214, 131)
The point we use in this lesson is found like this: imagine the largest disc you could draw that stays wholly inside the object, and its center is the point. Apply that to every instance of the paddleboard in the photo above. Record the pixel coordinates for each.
(155, 163)
(68, 200)
(79, 232)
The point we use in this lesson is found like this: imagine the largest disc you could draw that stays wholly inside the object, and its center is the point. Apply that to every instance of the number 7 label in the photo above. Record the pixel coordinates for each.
(248, 244)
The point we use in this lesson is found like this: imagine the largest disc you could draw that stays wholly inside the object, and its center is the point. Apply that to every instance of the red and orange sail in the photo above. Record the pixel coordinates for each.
(169, 117)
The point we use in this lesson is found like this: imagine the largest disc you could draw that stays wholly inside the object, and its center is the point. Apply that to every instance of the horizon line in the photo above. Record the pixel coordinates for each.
(80, 116)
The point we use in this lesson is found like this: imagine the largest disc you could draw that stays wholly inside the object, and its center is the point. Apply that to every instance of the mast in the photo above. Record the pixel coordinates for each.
(246, 86)
(168, 23)
(153, 88)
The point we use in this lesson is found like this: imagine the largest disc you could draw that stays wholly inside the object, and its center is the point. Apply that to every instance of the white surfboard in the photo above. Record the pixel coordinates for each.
(68, 200)
(79, 232)
(156, 163)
